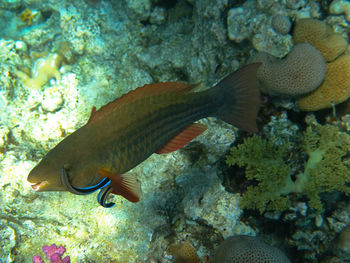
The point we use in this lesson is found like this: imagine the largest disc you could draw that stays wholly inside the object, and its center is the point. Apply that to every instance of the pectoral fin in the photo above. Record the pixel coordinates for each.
(125, 185)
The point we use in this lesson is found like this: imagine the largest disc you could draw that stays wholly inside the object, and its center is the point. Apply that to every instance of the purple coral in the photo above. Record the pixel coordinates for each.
(54, 254)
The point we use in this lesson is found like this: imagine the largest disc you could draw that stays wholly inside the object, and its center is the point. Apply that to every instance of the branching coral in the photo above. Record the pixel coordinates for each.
(326, 169)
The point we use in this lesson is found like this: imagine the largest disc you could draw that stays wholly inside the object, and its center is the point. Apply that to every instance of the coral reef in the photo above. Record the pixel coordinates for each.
(301, 72)
(114, 47)
(253, 22)
(266, 163)
(248, 249)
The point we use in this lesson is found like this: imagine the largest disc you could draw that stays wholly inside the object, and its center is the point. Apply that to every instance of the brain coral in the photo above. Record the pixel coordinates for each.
(184, 253)
(317, 33)
(336, 85)
(248, 249)
(300, 72)
(334, 89)
(281, 24)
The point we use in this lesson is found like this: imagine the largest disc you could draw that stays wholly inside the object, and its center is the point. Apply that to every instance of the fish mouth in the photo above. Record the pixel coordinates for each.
(38, 186)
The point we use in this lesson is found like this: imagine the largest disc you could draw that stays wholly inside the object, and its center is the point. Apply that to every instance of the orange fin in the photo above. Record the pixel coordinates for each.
(183, 138)
(146, 90)
(93, 111)
(125, 185)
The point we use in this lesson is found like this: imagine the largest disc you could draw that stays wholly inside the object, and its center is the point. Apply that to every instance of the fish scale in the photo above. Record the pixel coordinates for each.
(157, 133)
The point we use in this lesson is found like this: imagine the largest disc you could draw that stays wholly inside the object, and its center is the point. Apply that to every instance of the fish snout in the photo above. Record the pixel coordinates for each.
(39, 186)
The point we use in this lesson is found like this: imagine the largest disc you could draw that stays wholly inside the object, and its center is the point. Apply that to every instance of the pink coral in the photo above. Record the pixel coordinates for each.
(54, 254)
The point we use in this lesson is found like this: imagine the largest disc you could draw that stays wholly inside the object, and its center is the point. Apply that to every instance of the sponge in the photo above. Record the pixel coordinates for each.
(300, 72)
(334, 89)
(247, 249)
(317, 33)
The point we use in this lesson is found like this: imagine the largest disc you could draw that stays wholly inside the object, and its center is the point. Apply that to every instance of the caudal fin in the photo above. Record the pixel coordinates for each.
(240, 98)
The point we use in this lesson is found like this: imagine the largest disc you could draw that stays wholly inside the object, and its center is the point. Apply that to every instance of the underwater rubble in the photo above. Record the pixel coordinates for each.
(286, 186)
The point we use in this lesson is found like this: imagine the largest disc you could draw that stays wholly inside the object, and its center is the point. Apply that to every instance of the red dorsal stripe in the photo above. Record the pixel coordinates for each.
(146, 90)
(183, 138)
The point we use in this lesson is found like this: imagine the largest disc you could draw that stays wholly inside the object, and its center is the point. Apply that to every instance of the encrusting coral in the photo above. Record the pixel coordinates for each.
(326, 170)
(302, 71)
(248, 249)
(336, 85)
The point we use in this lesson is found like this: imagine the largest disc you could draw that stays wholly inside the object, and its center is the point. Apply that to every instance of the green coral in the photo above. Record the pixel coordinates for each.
(326, 170)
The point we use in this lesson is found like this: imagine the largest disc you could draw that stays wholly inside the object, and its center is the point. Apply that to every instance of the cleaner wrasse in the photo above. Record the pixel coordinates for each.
(155, 118)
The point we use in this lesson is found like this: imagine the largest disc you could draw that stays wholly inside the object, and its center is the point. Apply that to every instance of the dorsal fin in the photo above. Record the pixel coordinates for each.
(183, 138)
(144, 91)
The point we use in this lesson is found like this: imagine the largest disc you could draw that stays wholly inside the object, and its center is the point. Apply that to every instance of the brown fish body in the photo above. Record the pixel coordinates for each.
(128, 130)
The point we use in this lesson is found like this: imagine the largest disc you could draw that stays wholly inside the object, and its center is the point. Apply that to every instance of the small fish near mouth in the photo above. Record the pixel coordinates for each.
(104, 185)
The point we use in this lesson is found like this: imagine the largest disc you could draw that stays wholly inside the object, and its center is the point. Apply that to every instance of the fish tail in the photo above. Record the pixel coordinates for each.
(239, 98)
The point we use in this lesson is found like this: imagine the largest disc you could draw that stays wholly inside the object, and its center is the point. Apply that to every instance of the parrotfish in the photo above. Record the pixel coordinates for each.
(155, 118)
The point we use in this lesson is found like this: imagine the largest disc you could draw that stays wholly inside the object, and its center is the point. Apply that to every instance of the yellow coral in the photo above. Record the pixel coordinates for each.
(340, 7)
(317, 33)
(27, 16)
(336, 85)
(184, 253)
(44, 69)
(334, 89)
